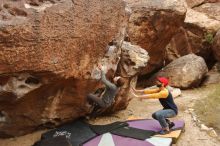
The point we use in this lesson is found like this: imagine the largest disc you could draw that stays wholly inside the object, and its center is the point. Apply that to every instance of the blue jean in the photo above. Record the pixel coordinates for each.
(161, 116)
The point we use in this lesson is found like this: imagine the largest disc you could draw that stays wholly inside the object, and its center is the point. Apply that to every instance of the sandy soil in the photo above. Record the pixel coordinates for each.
(143, 109)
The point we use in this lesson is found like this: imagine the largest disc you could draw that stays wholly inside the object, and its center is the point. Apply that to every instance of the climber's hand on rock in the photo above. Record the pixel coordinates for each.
(99, 66)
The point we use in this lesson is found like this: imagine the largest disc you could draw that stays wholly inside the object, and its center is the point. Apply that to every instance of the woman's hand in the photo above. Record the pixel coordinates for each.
(134, 94)
(102, 67)
(99, 66)
(133, 89)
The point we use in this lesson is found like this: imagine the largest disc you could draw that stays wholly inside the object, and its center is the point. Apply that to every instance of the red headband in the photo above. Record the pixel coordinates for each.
(163, 80)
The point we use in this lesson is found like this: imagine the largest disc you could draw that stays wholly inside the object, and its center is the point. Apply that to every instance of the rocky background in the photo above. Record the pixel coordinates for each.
(50, 49)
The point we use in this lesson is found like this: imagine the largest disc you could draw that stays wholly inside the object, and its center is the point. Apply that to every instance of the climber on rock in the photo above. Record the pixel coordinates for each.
(108, 95)
(165, 97)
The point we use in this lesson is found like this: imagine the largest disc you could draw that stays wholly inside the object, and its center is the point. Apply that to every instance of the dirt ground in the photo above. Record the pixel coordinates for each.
(143, 109)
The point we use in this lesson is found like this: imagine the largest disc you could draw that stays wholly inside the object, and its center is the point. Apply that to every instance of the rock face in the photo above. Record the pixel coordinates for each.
(202, 20)
(190, 39)
(216, 46)
(197, 33)
(133, 59)
(213, 76)
(210, 9)
(49, 50)
(193, 3)
(212, 1)
(61, 24)
(196, 3)
(151, 26)
(185, 72)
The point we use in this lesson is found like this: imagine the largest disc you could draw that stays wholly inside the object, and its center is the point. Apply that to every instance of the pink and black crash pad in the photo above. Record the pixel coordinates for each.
(120, 134)
(101, 129)
(77, 132)
(109, 139)
(133, 133)
(150, 124)
(122, 129)
(56, 141)
(154, 125)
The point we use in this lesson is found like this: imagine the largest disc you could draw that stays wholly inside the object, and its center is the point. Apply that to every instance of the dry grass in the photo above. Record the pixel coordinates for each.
(208, 109)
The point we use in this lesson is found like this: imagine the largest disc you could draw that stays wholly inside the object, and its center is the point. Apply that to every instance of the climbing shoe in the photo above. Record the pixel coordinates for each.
(163, 132)
(171, 125)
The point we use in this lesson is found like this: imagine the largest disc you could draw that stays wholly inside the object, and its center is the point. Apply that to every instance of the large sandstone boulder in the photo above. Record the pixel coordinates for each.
(185, 72)
(133, 60)
(202, 20)
(216, 46)
(194, 3)
(210, 9)
(190, 39)
(152, 25)
(212, 1)
(197, 33)
(54, 29)
(49, 51)
(197, 3)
